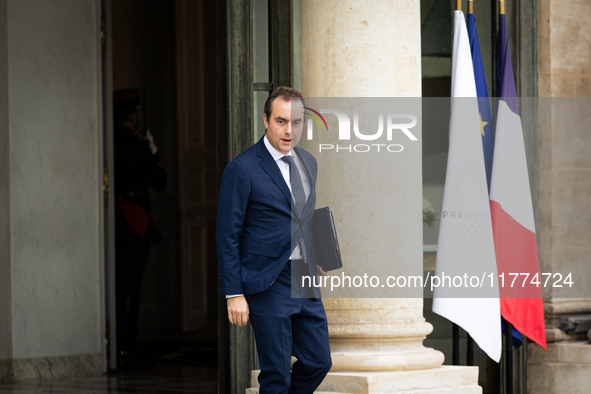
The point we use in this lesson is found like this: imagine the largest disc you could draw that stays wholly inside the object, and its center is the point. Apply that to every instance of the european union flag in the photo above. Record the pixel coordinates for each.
(486, 125)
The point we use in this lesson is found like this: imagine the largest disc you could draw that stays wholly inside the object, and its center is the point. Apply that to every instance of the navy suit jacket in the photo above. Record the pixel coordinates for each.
(256, 229)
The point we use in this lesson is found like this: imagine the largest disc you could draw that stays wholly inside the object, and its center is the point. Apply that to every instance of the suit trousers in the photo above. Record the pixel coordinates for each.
(284, 325)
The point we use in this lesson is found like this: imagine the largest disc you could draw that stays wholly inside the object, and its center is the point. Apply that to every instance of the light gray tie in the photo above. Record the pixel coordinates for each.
(299, 196)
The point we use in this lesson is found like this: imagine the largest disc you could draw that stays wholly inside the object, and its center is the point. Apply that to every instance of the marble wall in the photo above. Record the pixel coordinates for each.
(51, 176)
(564, 76)
(5, 316)
(564, 80)
(564, 61)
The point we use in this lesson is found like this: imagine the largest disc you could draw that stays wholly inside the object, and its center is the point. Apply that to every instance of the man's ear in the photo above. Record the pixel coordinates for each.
(265, 120)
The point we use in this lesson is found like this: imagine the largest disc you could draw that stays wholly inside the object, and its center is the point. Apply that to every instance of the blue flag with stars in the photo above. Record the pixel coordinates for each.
(486, 125)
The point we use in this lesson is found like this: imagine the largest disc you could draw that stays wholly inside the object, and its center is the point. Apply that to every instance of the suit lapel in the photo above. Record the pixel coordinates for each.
(271, 168)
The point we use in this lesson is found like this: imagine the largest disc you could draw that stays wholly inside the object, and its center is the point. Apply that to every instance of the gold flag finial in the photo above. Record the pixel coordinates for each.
(470, 7)
(502, 7)
(458, 5)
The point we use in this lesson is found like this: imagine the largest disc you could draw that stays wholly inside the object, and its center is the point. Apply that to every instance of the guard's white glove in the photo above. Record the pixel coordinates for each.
(151, 141)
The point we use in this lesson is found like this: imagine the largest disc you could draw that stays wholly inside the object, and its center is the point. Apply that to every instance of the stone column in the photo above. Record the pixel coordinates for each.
(564, 209)
(373, 49)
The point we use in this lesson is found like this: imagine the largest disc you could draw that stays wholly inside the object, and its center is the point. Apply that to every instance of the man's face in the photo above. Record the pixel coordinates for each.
(134, 120)
(284, 126)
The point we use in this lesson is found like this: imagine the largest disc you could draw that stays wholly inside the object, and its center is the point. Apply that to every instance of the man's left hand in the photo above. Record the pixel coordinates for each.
(321, 271)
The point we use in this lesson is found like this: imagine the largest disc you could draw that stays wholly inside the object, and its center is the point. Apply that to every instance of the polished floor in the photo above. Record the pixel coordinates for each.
(114, 384)
(183, 364)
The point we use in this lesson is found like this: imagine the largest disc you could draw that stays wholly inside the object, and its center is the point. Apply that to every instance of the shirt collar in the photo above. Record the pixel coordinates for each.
(274, 152)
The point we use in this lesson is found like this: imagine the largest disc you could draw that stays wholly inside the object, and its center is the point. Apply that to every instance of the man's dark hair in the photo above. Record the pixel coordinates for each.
(286, 93)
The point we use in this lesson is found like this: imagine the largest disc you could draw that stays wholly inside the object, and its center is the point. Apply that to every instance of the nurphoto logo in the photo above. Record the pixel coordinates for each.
(395, 123)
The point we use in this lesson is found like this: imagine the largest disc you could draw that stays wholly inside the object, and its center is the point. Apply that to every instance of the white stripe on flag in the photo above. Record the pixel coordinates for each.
(510, 180)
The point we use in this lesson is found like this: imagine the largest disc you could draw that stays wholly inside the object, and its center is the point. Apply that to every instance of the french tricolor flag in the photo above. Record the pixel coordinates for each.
(512, 211)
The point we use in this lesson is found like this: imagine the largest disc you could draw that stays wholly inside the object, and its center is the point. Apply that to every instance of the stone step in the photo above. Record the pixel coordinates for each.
(442, 380)
(256, 391)
(463, 390)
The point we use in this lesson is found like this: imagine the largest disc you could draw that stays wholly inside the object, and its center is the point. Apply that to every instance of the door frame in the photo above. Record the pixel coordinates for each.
(234, 135)
(109, 317)
(234, 95)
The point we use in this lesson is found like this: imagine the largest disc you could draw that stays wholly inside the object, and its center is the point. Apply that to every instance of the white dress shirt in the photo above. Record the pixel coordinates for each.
(284, 168)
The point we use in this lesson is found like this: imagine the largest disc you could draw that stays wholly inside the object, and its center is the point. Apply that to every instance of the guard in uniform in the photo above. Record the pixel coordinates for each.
(137, 169)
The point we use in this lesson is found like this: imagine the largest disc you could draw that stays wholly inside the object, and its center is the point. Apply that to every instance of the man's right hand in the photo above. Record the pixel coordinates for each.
(238, 310)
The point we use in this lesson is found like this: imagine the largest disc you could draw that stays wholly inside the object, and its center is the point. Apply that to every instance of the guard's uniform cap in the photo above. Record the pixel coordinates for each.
(126, 100)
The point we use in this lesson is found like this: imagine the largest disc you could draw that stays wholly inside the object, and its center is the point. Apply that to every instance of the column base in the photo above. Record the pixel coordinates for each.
(564, 368)
(414, 359)
(441, 380)
(50, 367)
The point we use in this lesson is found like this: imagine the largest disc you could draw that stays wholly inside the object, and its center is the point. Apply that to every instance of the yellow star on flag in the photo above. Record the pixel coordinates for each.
(482, 124)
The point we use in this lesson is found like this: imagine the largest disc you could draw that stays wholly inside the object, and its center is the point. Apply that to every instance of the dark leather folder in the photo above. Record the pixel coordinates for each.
(326, 243)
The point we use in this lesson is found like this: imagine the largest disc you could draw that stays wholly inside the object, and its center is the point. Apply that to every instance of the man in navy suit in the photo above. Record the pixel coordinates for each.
(265, 244)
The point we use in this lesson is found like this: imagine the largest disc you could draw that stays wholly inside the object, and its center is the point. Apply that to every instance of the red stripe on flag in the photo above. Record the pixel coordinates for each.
(517, 253)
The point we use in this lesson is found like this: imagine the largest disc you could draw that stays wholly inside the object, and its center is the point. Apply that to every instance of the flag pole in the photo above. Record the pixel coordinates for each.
(470, 351)
(455, 341)
(508, 325)
(455, 327)
(469, 340)
(455, 353)
(508, 357)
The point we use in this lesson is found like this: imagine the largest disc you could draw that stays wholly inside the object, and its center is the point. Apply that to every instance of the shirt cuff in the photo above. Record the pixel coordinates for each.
(234, 295)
